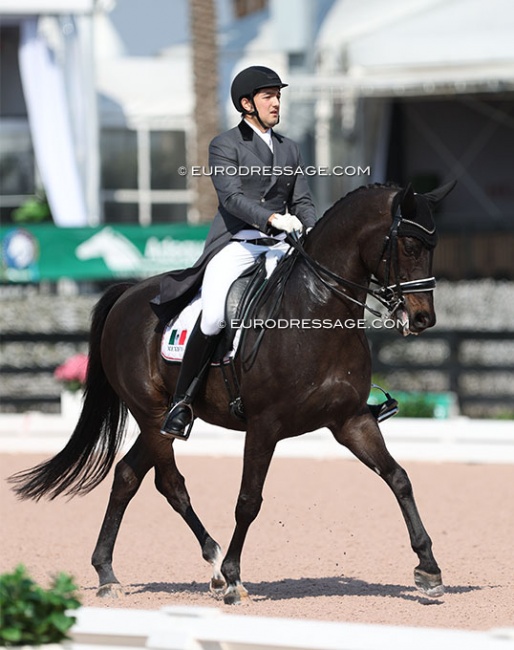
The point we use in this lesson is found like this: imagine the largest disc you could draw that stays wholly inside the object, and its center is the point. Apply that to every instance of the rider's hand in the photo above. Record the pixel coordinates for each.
(286, 222)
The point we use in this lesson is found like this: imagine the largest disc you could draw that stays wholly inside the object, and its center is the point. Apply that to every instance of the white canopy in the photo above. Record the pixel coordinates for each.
(46, 7)
(415, 47)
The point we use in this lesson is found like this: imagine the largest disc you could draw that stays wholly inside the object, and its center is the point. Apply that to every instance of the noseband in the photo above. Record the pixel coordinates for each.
(389, 295)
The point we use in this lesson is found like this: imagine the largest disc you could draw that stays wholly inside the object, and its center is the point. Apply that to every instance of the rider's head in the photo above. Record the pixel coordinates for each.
(255, 93)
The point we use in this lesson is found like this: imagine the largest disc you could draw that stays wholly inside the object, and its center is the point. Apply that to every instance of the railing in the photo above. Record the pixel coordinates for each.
(477, 366)
(466, 255)
(39, 390)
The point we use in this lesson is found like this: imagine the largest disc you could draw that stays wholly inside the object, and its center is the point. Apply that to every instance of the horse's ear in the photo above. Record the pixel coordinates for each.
(438, 194)
(408, 203)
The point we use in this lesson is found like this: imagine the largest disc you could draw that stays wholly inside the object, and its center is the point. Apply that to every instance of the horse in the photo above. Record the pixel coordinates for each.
(301, 379)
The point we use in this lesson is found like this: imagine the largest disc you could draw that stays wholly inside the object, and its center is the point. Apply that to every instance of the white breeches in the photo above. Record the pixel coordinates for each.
(225, 267)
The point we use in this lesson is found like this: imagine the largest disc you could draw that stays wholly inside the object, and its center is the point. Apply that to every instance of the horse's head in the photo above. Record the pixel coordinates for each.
(405, 268)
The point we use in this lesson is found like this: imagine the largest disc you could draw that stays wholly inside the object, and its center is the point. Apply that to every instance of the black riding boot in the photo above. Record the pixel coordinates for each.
(197, 357)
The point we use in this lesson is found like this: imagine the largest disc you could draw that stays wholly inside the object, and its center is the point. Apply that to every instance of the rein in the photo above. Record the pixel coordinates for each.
(389, 295)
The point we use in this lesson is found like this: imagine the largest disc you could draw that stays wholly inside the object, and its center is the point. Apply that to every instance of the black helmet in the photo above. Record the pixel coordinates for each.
(250, 80)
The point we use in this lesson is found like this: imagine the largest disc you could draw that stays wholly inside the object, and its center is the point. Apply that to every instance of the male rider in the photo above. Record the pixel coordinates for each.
(258, 204)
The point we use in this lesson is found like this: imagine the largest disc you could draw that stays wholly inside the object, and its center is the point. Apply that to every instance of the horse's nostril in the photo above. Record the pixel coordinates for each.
(422, 319)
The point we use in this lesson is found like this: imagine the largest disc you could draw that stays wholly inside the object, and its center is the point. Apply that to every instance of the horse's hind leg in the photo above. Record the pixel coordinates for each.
(128, 476)
(171, 485)
(363, 438)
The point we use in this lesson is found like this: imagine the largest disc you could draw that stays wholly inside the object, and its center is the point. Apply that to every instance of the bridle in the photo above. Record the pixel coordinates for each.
(389, 295)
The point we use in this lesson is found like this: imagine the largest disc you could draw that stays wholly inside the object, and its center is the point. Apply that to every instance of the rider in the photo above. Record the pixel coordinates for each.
(257, 207)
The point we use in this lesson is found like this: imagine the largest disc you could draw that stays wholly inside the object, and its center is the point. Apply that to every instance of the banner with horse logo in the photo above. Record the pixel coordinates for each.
(46, 252)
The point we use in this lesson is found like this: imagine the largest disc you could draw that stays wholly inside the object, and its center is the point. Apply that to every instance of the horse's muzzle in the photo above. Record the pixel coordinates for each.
(416, 314)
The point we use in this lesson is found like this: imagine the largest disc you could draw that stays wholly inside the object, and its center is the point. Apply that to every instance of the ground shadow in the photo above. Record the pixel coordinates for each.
(292, 588)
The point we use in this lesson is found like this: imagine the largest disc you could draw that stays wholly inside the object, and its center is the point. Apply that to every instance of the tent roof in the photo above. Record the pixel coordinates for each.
(415, 46)
(151, 91)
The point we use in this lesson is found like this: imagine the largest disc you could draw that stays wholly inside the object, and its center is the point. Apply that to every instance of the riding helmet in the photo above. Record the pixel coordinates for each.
(250, 80)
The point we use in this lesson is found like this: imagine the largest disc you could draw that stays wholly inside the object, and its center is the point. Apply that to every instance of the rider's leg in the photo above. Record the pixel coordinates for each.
(220, 273)
(196, 361)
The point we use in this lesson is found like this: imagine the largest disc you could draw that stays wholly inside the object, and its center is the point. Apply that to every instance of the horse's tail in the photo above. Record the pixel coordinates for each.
(90, 452)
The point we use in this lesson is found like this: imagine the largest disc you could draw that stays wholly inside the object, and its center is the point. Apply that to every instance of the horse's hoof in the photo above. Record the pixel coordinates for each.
(431, 584)
(217, 585)
(235, 595)
(110, 590)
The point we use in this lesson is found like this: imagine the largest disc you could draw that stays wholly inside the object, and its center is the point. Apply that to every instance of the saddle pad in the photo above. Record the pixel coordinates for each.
(176, 333)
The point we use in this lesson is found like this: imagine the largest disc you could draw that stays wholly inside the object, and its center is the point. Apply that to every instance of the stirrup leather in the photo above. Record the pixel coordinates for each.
(168, 430)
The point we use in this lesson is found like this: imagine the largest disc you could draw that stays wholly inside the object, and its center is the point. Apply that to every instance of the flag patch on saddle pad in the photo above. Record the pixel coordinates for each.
(176, 333)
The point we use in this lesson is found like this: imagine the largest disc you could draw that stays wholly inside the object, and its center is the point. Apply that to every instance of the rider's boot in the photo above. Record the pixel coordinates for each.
(197, 356)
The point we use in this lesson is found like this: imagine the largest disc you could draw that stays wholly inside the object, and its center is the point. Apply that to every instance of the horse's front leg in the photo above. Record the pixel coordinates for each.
(257, 458)
(128, 476)
(363, 438)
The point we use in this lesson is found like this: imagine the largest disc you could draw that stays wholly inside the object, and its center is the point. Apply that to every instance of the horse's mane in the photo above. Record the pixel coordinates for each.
(363, 188)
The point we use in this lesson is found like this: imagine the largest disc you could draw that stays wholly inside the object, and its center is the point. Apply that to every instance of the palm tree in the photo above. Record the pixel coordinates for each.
(202, 15)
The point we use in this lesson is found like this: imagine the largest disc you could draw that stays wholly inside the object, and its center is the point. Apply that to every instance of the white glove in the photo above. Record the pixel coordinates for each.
(286, 222)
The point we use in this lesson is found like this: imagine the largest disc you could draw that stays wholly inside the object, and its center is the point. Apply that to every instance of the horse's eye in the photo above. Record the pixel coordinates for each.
(412, 246)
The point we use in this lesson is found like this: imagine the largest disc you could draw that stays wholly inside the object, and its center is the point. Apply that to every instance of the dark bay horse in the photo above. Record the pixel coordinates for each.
(302, 379)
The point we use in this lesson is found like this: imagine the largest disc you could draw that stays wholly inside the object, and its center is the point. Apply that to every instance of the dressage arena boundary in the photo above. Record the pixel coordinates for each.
(458, 439)
(197, 628)
(208, 628)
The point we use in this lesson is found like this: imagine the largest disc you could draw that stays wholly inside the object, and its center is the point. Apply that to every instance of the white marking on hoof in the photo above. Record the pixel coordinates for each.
(110, 590)
(235, 595)
(218, 583)
(428, 583)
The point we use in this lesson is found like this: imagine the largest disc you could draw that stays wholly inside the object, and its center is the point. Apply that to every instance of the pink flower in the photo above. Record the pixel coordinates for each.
(73, 371)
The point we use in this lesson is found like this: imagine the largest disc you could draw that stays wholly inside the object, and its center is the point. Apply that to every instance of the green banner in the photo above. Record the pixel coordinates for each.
(46, 252)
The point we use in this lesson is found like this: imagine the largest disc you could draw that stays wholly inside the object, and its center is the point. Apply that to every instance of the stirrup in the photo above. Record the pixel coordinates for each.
(385, 410)
(168, 431)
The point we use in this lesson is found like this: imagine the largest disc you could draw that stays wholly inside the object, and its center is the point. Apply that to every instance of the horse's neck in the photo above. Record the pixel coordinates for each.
(307, 297)
(336, 247)
(335, 244)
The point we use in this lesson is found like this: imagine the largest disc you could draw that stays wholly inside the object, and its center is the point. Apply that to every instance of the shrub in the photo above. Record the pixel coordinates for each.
(32, 615)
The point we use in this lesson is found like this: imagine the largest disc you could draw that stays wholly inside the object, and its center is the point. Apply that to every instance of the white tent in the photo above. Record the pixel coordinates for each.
(415, 47)
(372, 50)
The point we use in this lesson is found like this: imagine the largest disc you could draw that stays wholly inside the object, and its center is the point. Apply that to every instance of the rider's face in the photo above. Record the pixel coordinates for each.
(267, 103)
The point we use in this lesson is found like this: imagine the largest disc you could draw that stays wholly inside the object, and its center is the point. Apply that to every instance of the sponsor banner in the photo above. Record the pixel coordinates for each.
(46, 252)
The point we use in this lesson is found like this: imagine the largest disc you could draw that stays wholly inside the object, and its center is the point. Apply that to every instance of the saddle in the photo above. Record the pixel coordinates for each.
(240, 299)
